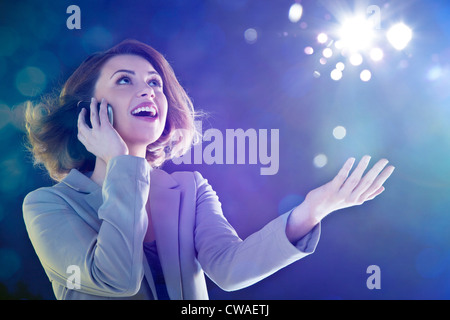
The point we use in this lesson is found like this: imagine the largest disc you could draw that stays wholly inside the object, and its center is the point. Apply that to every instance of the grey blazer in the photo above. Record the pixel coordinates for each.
(100, 231)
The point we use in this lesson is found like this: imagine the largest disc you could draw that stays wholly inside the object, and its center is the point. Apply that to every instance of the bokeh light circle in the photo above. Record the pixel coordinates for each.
(30, 81)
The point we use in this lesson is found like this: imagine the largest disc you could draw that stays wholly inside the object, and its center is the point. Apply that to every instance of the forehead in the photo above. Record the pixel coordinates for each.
(126, 61)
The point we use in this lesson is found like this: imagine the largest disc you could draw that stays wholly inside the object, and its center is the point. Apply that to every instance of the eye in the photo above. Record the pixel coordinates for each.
(155, 83)
(124, 80)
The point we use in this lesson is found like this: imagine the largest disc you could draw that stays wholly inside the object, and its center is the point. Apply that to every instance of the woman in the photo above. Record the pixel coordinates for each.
(131, 230)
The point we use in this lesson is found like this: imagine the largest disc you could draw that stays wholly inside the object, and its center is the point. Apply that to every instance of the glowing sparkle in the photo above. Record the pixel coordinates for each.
(399, 36)
(309, 50)
(322, 38)
(365, 75)
(327, 52)
(295, 12)
(340, 66)
(320, 160)
(336, 74)
(356, 59)
(339, 44)
(376, 54)
(250, 35)
(339, 132)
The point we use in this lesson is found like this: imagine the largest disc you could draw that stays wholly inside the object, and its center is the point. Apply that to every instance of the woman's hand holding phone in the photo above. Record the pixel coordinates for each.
(102, 140)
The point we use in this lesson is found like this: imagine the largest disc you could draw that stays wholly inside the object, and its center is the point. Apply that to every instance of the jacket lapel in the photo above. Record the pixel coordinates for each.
(164, 207)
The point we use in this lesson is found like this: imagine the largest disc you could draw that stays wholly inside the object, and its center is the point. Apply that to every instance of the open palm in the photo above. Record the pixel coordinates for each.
(346, 191)
(342, 192)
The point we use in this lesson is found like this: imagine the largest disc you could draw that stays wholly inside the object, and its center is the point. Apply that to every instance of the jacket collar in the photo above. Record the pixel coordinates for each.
(82, 183)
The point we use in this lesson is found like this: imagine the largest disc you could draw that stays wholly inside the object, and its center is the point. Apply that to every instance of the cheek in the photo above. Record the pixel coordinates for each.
(164, 108)
(120, 115)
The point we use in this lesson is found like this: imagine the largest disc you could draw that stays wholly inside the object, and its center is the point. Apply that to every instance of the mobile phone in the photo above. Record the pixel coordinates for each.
(87, 106)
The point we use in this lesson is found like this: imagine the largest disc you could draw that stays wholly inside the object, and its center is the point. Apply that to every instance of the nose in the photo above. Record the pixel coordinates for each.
(146, 91)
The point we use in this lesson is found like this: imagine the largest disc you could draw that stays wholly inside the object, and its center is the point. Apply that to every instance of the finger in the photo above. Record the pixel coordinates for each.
(103, 114)
(95, 122)
(81, 123)
(378, 183)
(81, 138)
(355, 177)
(375, 194)
(369, 178)
(342, 175)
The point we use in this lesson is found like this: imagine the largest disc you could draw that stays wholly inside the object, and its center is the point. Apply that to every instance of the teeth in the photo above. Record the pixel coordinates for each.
(150, 109)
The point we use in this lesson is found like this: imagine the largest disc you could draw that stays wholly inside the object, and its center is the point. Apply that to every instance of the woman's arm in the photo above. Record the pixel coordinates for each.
(233, 263)
(110, 258)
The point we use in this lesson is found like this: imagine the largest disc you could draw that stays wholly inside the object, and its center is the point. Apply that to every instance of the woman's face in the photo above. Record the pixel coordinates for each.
(134, 89)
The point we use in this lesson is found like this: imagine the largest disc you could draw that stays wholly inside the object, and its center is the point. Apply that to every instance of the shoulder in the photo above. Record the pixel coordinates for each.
(58, 197)
(43, 204)
(182, 176)
(43, 197)
(44, 194)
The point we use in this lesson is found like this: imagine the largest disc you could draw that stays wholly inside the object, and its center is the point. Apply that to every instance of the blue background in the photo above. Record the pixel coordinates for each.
(402, 114)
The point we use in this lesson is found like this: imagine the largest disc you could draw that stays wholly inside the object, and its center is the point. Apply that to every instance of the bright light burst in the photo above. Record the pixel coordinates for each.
(356, 33)
(360, 41)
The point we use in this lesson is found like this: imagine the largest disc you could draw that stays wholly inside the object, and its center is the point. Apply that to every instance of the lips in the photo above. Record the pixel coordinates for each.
(145, 110)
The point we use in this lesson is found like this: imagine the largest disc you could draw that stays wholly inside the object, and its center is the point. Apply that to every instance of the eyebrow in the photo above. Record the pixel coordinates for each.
(132, 72)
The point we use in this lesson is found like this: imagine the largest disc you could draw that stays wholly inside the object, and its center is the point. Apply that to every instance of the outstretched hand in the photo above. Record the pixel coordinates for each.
(342, 192)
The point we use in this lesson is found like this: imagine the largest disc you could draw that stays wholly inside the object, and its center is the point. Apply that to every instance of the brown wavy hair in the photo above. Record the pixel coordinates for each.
(51, 123)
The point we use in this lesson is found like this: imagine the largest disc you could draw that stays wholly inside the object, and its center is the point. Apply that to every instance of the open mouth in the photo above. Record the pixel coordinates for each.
(148, 111)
